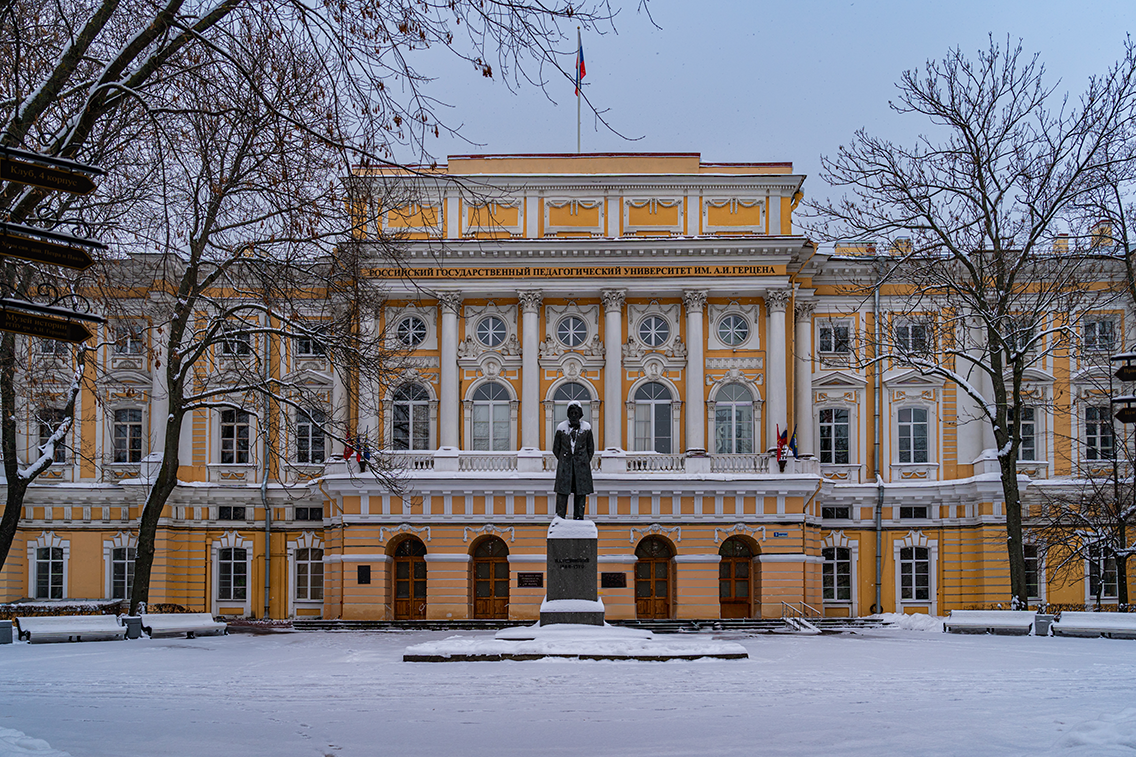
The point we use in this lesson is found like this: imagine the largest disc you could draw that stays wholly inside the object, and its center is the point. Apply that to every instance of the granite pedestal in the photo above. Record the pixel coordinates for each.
(572, 567)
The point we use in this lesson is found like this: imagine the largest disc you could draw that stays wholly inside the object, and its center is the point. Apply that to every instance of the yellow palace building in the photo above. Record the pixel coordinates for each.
(673, 299)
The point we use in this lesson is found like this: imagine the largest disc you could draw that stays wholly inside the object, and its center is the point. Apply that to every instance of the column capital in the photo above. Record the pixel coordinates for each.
(805, 309)
(694, 300)
(613, 299)
(450, 301)
(778, 299)
(530, 301)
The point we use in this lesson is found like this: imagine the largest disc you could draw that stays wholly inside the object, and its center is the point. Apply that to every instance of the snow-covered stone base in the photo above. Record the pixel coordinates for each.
(581, 642)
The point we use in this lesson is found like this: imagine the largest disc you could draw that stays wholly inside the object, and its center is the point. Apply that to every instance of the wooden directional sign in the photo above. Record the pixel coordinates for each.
(1126, 415)
(42, 326)
(46, 173)
(57, 249)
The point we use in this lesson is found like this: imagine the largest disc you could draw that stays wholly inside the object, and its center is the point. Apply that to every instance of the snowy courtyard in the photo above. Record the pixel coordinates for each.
(878, 692)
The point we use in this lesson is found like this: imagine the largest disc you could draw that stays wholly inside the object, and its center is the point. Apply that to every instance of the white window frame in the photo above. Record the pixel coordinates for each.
(252, 431)
(557, 410)
(306, 540)
(917, 539)
(675, 404)
(902, 334)
(48, 540)
(753, 415)
(1097, 404)
(235, 345)
(431, 405)
(510, 405)
(1092, 344)
(1040, 597)
(930, 434)
(315, 431)
(1106, 599)
(230, 540)
(142, 435)
(838, 539)
(121, 540)
(129, 338)
(832, 325)
(853, 441)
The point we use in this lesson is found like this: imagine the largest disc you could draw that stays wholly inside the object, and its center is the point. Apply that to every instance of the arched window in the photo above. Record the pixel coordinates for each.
(566, 393)
(653, 418)
(410, 418)
(733, 421)
(491, 418)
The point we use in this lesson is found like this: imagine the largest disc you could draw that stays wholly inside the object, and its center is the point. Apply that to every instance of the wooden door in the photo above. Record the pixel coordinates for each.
(653, 578)
(491, 579)
(410, 580)
(735, 584)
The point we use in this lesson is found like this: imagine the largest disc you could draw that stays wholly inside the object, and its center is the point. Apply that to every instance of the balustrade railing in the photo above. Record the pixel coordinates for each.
(487, 461)
(641, 462)
(740, 463)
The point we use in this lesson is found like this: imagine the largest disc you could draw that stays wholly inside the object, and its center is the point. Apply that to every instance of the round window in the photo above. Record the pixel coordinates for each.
(491, 331)
(411, 331)
(653, 331)
(733, 330)
(572, 331)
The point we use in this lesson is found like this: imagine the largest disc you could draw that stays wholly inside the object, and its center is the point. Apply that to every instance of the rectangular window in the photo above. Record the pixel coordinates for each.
(234, 437)
(309, 574)
(227, 512)
(912, 511)
(122, 572)
(834, 338)
(363, 575)
(491, 426)
(915, 573)
(232, 574)
(834, 434)
(53, 347)
(836, 512)
(1099, 335)
(127, 435)
(1102, 574)
(836, 574)
(1028, 448)
(1019, 335)
(128, 339)
(913, 447)
(49, 573)
(911, 338)
(1098, 433)
(235, 345)
(411, 425)
(311, 345)
(309, 513)
(1033, 574)
(310, 440)
(49, 419)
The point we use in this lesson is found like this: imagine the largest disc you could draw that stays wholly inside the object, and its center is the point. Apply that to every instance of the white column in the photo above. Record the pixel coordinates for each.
(803, 379)
(530, 369)
(613, 367)
(449, 415)
(694, 302)
(776, 376)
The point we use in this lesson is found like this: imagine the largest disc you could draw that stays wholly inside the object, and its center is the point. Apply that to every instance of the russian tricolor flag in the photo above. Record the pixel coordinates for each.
(580, 70)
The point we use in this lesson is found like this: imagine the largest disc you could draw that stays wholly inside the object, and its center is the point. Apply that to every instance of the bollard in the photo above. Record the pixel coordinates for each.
(5, 632)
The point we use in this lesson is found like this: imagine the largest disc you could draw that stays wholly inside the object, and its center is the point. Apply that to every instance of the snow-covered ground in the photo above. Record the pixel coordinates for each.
(883, 692)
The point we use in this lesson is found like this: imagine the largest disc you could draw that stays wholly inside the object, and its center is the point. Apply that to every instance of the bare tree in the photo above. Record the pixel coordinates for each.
(970, 216)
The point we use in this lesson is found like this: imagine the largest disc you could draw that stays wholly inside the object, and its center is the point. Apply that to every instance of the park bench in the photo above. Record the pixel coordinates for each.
(49, 628)
(189, 624)
(1114, 625)
(1004, 622)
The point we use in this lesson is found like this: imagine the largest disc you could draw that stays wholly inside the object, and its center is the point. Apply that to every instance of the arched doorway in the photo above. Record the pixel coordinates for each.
(409, 579)
(653, 578)
(491, 579)
(735, 578)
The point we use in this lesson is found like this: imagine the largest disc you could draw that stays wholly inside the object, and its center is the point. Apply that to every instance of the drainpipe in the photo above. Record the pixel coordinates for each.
(267, 531)
(876, 456)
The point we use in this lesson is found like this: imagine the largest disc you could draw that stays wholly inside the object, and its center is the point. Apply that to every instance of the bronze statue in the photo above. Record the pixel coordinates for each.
(573, 447)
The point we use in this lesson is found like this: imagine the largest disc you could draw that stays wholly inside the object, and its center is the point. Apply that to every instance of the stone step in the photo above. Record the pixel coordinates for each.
(756, 625)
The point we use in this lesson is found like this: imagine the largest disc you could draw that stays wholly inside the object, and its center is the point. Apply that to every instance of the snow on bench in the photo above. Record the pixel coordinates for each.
(1114, 625)
(1007, 622)
(49, 628)
(191, 624)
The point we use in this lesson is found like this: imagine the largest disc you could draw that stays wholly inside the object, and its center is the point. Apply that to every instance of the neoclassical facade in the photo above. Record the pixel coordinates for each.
(673, 300)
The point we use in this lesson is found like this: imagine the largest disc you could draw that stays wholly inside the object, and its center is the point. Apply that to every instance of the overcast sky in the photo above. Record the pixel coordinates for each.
(757, 81)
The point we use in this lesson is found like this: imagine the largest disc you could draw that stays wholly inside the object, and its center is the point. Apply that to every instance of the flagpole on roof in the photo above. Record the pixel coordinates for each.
(579, 75)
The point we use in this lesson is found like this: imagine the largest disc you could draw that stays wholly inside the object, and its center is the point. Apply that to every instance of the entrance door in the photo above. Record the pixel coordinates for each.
(734, 579)
(653, 578)
(491, 579)
(410, 580)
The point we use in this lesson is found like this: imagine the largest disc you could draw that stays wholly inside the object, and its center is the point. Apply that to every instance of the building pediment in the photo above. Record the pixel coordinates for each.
(902, 377)
(841, 379)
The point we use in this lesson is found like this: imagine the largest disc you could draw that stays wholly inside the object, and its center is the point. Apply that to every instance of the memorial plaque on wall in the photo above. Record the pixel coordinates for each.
(613, 580)
(530, 580)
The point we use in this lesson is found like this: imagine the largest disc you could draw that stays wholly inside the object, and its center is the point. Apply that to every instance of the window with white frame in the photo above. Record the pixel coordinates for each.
(1033, 571)
(411, 331)
(1027, 450)
(311, 444)
(236, 344)
(129, 339)
(653, 418)
(491, 331)
(235, 429)
(232, 574)
(1099, 437)
(835, 433)
(836, 574)
(835, 338)
(410, 418)
(733, 329)
(1019, 334)
(913, 435)
(491, 417)
(122, 572)
(309, 573)
(1102, 574)
(126, 435)
(312, 343)
(53, 347)
(912, 338)
(570, 392)
(733, 421)
(49, 572)
(1099, 334)
(654, 331)
(49, 419)
(572, 331)
(915, 573)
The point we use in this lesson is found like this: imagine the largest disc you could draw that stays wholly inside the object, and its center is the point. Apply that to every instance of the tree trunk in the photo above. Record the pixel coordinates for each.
(16, 487)
(159, 494)
(1014, 541)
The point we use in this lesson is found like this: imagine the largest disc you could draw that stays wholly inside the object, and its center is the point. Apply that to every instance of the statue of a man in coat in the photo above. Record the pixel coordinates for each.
(573, 448)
